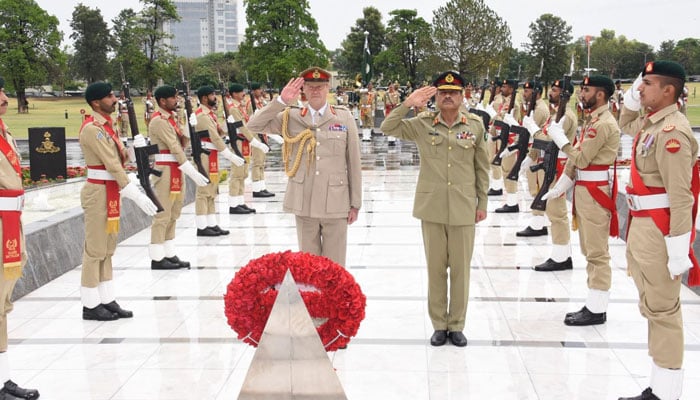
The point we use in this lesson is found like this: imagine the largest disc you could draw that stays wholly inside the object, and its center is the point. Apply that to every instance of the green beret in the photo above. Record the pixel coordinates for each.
(165, 91)
(511, 82)
(600, 81)
(205, 91)
(2, 82)
(560, 84)
(665, 68)
(236, 88)
(531, 84)
(255, 85)
(97, 91)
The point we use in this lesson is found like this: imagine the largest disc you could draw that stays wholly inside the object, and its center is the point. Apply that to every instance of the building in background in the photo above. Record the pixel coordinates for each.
(206, 26)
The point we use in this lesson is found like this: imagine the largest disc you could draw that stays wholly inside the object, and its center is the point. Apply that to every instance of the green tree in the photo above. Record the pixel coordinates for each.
(159, 56)
(91, 43)
(687, 53)
(353, 46)
(128, 50)
(281, 40)
(549, 36)
(407, 39)
(666, 50)
(468, 35)
(29, 42)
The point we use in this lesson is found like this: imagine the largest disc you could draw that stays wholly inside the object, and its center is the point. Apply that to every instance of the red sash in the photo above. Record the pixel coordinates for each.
(662, 216)
(11, 219)
(175, 175)
(605, 201)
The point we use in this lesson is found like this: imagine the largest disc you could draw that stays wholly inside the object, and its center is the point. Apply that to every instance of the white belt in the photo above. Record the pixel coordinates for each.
(165, 158)
(647, 202)
(100, 174)
(12, 203)
(562, 156)
(592, 176)
(208, 146)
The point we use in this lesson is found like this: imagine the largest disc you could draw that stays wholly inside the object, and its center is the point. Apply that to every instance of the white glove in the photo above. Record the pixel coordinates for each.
(133, 178)
(480, 106)
(228, 154)
(230, 119)
(490, 110)
(140, 141)
(131, 191)
(193, 120)
(631, 96)
(510, 120)
(530, 124)
(677, 249)
(563, 184)
(275, 138)
(189, 170)
(525, 165)
(556, 132)
(259, 145)
(505, 153)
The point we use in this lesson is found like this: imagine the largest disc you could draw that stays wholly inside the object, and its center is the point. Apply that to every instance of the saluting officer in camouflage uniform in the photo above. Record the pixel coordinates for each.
(205, 200)
(662, 195)
(556, 209)
(13, 252)
(322, 160)
(594, 207)
(450, 195)
(165, 132)
(510, 117)
(105, 156)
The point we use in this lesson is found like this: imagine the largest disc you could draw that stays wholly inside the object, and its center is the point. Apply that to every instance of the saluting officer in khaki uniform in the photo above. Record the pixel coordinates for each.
(12, 237)
(533, 122)
(205, 200)
(238, 110)
(450, 195)
(662, 192)
(165, 132)
(321, 154)
(594, 209)
(508, 89)
(556, 209)
(105, 156)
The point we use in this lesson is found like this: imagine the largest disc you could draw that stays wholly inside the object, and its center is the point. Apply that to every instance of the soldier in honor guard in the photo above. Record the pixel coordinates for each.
(368, 102)
(451, 195)
(662, 197)
(123, 118)
(236, 186)
(556, 209)
(14, 254)
(321, 156)
(510, 117)
(165, 132)
(594, 210)
(257, 165)
(150, 106)
(617, 100)
(105, 156)
(205, 200)
(496, 173)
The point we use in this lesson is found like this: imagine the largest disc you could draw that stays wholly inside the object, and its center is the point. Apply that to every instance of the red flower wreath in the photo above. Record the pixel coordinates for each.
(330, 293)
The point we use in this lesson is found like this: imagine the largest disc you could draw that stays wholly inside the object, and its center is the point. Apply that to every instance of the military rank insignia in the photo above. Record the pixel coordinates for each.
(338, 128)
(465, 135)
(669, 128)
(672, 145)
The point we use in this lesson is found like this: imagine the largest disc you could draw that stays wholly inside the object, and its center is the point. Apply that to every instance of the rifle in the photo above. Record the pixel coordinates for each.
(486, 118)
(195, 137)
(231, 127)
(268, 82)
(523, 134)
(143, 165)
(551, 151)
(505, 131)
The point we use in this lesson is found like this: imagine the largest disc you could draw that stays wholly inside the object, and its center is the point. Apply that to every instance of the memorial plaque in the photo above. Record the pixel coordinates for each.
(47, 153)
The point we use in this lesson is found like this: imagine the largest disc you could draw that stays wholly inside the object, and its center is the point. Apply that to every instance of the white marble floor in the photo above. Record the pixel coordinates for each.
(179, 346)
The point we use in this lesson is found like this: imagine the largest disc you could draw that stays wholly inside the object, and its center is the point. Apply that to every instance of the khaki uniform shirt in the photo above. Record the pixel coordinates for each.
(99, 149)
(207, 122)
(668, 160)
(329, 180)
(600, 139)
(163, 134)
(569, 128)
(453, 178)
(239, 113)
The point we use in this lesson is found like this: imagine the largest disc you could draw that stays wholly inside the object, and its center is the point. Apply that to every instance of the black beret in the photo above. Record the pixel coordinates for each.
(97, 91)
(600, 81)
(560, 84)
(511, 82)
(531, 84)
(255, 85)
(449, 80)
(2, 82)
(666, 68)
(165, 91)
(236, 88)
(205, 91)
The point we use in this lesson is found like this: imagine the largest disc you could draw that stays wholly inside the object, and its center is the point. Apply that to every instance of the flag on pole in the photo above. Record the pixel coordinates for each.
(367, 63)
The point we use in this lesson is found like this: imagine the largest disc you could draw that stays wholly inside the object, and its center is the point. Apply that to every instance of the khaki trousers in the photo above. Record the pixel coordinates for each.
(534, 180)
(659, 295)
(594, 230)
(496, 171)
(6, 288)
(163, 226)
(99, 245)
(323, 237)
(448, 246)
(257, 165)
(205, 196)
(558, 216)
(507, 164)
